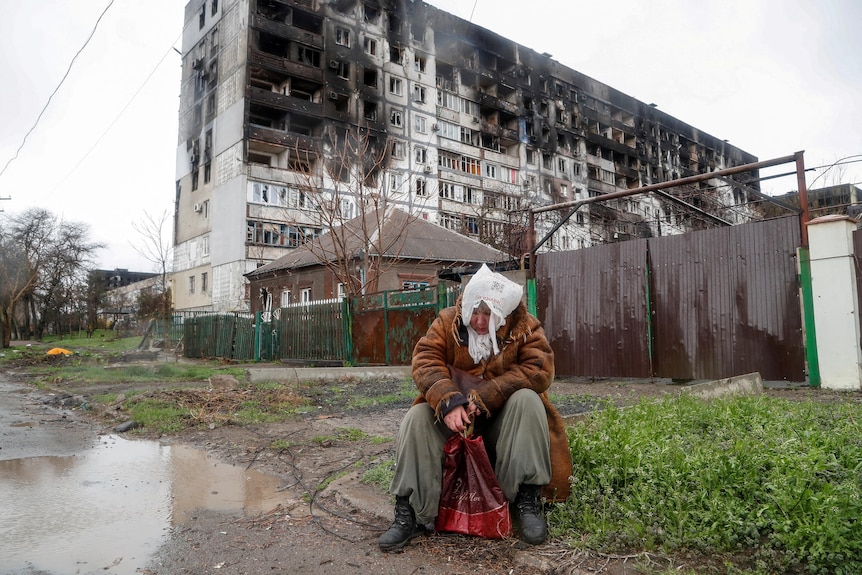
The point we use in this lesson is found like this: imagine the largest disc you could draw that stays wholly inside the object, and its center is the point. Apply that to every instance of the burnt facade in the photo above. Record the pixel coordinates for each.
(458, 125)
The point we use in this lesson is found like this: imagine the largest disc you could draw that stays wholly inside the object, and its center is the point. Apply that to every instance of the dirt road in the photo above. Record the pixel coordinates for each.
(327, 521)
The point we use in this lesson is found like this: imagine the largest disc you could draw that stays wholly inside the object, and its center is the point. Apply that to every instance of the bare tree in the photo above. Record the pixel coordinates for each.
(44, 263)
(157, 248)
(350, 180)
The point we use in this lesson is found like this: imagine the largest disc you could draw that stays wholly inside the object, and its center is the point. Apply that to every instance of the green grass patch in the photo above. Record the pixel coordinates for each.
(380, 475)
(776, 481)
(406, 392)
(77, 372)
(159, 416)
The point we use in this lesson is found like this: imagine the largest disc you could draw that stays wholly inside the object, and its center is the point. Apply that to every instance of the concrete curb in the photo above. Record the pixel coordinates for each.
(748, 384)
(296, 374)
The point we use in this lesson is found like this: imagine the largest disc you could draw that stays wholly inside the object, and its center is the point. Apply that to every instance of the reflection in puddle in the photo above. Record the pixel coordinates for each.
(107, 510)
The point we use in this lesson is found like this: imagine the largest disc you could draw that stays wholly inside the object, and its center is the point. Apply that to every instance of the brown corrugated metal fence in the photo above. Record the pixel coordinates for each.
(702, 305)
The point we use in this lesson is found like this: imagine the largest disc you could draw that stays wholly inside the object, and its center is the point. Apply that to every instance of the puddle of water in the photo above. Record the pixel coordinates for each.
(107, 510)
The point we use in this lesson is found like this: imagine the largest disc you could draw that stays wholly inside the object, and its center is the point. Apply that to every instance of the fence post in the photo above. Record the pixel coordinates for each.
(442, 296)
(347, 325)
(532, 306)
(257, 336)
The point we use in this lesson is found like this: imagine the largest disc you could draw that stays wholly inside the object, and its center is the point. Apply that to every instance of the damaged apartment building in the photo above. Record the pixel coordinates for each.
(442, 118)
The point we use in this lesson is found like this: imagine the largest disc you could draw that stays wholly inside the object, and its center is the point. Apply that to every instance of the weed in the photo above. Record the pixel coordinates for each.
(159, 416)
(751, 474)
(380, 475)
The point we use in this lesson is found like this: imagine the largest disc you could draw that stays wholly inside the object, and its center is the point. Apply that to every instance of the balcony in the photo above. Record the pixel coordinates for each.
(279, 101)
(284, 66)
(291, 33)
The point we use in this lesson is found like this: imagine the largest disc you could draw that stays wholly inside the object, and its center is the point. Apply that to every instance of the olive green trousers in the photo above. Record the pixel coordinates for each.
(516, 438)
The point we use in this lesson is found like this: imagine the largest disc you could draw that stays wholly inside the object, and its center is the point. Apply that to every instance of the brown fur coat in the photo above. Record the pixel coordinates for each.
(526, 360)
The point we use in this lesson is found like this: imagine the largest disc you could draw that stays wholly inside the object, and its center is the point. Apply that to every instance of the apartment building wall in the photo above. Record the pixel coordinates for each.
(477, 129)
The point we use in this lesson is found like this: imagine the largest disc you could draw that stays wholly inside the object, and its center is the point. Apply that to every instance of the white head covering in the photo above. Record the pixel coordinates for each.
(501, 295)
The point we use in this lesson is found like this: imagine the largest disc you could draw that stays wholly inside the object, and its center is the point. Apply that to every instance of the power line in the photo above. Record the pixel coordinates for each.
(120, 115)
(59, 85)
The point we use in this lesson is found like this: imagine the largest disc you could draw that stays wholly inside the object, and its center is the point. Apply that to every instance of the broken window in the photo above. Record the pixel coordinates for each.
(420, 187)
(369, 77)
(343, 70)
(396, 118)
(342, 37)
(371, 14)
(419, 63)
(395, 54)
(397, 149)
(418, 93)
(308, 56)
(370, 110)
(421, 155)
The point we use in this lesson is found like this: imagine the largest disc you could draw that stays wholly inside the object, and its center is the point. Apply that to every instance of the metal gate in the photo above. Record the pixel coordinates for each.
(702, 305)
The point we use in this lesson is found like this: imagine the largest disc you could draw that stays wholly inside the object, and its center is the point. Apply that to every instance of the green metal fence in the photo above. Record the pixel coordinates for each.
(373, 329)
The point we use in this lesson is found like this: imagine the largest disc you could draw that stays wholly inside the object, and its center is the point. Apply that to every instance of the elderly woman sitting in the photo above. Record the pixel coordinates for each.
(486, 360)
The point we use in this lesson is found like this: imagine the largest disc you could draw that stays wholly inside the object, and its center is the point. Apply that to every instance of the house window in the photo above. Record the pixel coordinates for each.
(370, 110)
(409, 285)
(450, 221)
(191, 284)
(344, 70)
(205, 241)
(447, 161)
(419, 63)
(309, 57)
(195, 178)
(371, 46)
(394, 182)
(204, 282)
(208, 172)
(340, 291)
(346, 209)
(305, 295)
(421, 189)
(471, 196)
(418, 93)
(420, 124)
(285, 298)
(395, 85)
(491, 171)
(562, 166)
(421, 155)
(397, 150)
(396, 118)
(203, 17)
(472, 226)
(215, 7)
(342, 37)
(369, 77)
(395, 54)
(470, 166)
(450, 191)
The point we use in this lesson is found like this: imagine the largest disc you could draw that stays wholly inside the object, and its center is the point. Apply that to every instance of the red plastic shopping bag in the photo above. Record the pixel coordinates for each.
(471, 500)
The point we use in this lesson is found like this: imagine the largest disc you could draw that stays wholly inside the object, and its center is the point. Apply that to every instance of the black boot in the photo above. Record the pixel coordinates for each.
(528, 515)
(403, 529)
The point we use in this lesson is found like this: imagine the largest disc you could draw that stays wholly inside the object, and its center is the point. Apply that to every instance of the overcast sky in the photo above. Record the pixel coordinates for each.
(772, 76)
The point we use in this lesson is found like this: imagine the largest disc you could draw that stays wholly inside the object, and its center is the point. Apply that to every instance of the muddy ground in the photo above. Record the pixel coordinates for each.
(319, 528)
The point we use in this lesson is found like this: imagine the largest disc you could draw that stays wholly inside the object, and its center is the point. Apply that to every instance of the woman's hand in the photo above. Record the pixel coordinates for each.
(458, 419)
